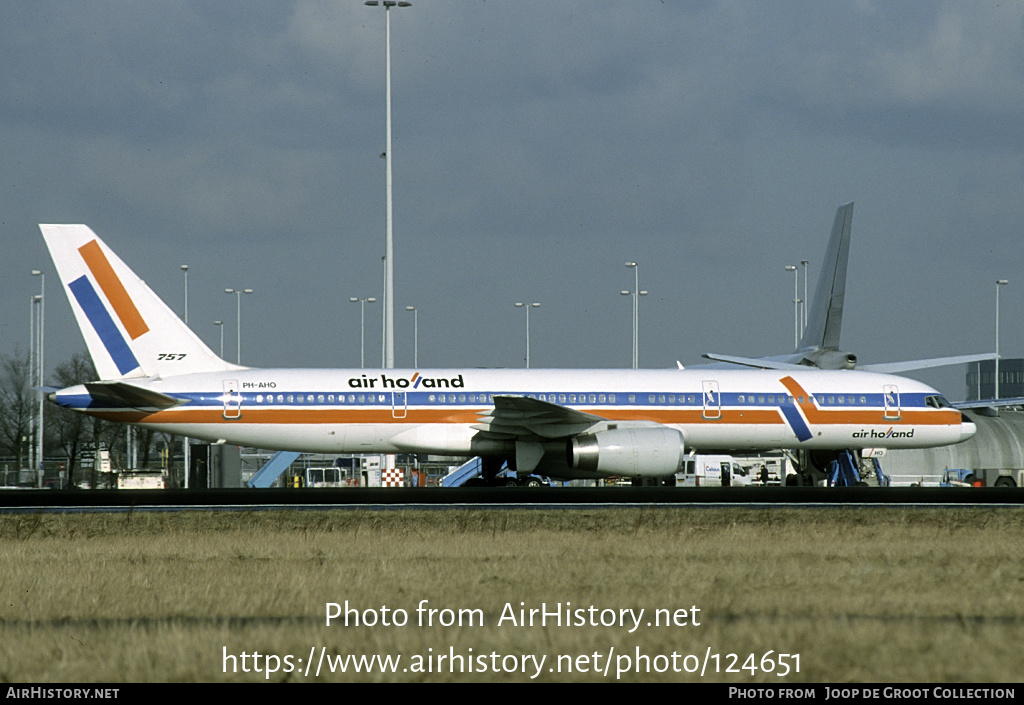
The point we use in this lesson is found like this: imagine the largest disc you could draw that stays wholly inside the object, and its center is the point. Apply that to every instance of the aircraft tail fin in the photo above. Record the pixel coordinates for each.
(129, 330)
(825, 318)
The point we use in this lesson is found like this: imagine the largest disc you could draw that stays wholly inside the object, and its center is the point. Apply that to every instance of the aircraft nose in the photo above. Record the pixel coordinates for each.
(967, 427)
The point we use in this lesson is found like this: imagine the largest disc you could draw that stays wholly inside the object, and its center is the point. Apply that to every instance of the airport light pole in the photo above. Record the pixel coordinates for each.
(184, 270)
(29, 448)
(238, 296)
(389, 258)
(803, 309)
(527, 307)
(415, 335)
(999, 283)
(184, 439)
(40, 373)
(636, 293)
(33, 353)
(220, 324)
(796, 304)
(362, 325)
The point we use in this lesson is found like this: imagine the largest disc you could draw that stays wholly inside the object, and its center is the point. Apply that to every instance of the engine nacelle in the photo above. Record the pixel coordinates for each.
(655, 452)
(831, 359)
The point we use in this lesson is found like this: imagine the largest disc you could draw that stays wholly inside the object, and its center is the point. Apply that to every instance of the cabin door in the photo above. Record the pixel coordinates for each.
(232, 399)
(712, 399)
(891, 394)
(398, 404)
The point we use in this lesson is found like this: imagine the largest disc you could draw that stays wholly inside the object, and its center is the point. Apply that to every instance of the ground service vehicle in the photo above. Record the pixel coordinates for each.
(984, 477)
(141, 480)
(712, 471)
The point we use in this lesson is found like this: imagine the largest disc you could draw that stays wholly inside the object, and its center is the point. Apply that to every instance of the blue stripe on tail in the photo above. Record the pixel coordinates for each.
(104, 325)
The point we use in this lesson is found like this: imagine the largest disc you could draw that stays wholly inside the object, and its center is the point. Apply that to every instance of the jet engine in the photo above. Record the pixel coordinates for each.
(830, 360)
(654, 452)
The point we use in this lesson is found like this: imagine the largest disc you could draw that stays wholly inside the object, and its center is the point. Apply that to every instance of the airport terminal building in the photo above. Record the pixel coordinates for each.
(981, 378)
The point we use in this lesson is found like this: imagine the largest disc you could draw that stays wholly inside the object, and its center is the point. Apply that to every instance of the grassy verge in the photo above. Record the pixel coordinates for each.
(860, 594)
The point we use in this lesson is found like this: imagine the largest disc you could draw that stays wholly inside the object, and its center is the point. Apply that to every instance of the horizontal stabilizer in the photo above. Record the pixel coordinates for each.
(128, 395)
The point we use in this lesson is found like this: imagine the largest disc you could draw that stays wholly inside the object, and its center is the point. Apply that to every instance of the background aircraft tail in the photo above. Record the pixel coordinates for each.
(130, 332)
(819, 345)
(825, 317)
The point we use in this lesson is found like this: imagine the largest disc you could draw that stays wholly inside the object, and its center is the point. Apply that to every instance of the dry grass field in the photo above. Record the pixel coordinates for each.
(879, 595)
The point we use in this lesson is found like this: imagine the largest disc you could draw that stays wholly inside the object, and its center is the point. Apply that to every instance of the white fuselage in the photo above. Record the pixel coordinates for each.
(439, 411)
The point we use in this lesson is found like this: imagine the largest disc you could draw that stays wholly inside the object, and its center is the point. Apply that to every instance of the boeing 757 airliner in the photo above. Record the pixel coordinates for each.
(154, 371)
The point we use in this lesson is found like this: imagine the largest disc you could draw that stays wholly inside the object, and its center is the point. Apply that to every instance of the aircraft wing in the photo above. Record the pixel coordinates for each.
(987, 407)
(761, 363)
(894, 367)
(529, 422)
(780, 363)
(525, 418)
(128, 395)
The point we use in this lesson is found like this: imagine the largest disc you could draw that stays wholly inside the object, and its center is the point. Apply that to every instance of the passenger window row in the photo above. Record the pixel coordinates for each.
(564, 398)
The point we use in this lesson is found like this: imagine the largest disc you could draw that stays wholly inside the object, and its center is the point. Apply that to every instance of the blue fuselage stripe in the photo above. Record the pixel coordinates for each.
(104, 325)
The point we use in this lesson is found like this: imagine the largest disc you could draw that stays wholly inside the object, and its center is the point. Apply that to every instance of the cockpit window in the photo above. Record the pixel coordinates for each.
(937, 402)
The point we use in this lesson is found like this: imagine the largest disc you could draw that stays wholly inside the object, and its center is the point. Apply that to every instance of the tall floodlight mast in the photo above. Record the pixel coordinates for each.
(389, 255)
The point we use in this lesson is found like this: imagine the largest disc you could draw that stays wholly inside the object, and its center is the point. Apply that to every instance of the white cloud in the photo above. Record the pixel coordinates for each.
(970, 55)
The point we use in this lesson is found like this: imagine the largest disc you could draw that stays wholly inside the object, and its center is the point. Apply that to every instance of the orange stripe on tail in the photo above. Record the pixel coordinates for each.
(114, 290)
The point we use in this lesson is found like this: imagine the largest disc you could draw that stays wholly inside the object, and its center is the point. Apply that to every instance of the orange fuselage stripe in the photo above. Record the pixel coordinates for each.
(385, 415)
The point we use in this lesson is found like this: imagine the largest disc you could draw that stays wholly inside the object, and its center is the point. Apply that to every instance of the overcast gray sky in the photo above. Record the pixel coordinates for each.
(538, 146)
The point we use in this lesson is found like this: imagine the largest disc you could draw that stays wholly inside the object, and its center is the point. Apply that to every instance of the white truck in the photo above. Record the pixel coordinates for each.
(729, 471)
(711, 471)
